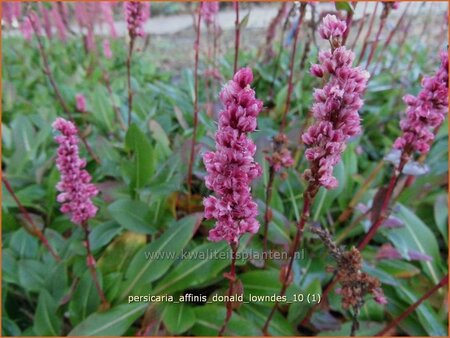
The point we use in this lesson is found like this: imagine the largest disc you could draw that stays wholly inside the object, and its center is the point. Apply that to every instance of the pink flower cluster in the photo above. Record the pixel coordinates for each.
(136, 13)
(232, 168)
(425, 112)
(209, 10)
(75, 187)
(335, 107)
(332, 27)
(108, 17)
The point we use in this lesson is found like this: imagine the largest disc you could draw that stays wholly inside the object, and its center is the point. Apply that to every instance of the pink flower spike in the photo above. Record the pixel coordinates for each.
(209, 11)
(335, 106)
(136, 14)
(75, 187)
(232, 168)
(425, 112)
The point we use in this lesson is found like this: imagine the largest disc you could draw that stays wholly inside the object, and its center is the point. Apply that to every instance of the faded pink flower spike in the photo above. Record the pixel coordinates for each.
(209, 11)
(75, 187)
(425, 112)
(59, 23)
(335, 106)
(136, 13)
(232, 168)
(27, 29)
(80, 103)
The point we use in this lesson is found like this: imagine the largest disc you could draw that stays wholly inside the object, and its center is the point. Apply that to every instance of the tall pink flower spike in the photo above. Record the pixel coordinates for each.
(75, 187)
(425, 112)
(232, 168)
(136, 13)
(335, 106)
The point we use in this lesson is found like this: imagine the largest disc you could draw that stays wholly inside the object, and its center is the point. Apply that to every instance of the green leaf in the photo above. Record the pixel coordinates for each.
(298, 310)
(441, 215)
(398, 268)
(419, 237)
(178, 318)
(57, 281)
(85, 299)
(210, 319)
(137, 142)
(23, 244)
(46, 321)
(118, 254)
(114, 322)
(198, 269)
(160, 136)
(427, 316)
(31, 274)
(153, 260)
(102, 109)
(102, 234)
(132, 215)
(244, 21)
(344, 6)
(279, 326)
(261, 283)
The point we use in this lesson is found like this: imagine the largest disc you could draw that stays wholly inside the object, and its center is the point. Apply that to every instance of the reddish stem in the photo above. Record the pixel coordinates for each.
(298, 236)
(130, 91)
(90, 262)
(422, 33)
(194, 132)
(401, 43)
(408, 311)
(390, 36)
(60, 99)
(348, 21)
(232, 277)
(237, 36)
(277, 62)
(369, 32)
(377, 37)
(26, 215)
(291, 68)
(383, 211)
(267, 211)
(361, 25)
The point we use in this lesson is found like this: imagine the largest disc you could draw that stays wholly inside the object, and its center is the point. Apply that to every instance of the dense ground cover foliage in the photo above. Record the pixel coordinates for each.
(312, 189)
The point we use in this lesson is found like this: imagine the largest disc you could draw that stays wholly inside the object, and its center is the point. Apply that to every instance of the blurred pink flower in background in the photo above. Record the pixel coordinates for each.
(80, 103)
(107, 49)
(209, 11)
(136, 14)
